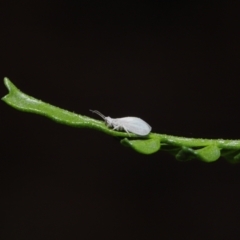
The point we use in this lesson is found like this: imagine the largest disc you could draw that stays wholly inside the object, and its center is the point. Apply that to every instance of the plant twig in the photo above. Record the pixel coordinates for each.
(208, 150)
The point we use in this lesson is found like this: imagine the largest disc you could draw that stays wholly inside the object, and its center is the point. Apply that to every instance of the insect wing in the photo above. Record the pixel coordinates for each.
(134, 125)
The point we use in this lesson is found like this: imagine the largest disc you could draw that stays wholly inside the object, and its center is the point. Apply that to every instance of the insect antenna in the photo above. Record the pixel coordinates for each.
(98, 113)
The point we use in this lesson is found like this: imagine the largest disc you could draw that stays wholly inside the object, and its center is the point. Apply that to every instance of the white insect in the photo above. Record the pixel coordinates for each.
(128, 124)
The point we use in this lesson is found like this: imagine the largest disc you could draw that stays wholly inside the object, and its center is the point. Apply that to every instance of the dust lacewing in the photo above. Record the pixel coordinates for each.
(128, 124)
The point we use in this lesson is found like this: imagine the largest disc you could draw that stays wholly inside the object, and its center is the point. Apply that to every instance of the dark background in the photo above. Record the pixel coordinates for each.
(173, 63)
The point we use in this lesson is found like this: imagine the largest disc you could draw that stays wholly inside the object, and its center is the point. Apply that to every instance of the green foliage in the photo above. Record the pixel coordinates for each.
(145, 146)
(184, 149)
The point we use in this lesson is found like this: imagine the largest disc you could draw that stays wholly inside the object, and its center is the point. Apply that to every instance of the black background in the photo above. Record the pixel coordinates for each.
(173, 63)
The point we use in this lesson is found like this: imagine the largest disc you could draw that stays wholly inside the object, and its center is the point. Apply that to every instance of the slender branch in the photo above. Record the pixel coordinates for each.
(208, 150)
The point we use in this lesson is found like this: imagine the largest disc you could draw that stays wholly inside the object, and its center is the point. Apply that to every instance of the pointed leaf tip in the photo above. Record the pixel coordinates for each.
(9, 85)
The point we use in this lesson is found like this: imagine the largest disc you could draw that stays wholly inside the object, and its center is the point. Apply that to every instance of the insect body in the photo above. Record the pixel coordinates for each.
(128, 124)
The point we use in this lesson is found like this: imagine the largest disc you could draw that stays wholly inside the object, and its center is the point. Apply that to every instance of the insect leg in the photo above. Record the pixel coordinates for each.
(117, 127)
(126, 130)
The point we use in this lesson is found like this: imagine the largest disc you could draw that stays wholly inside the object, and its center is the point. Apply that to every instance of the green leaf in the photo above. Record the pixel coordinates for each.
(26, 103)
(185, 154)
(209, 154)
(237, 158)
(232, 156)
(145, 146)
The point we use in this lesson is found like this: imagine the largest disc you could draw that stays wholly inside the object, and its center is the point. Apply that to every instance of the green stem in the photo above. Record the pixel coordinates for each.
(208, 150)
(198, 142)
